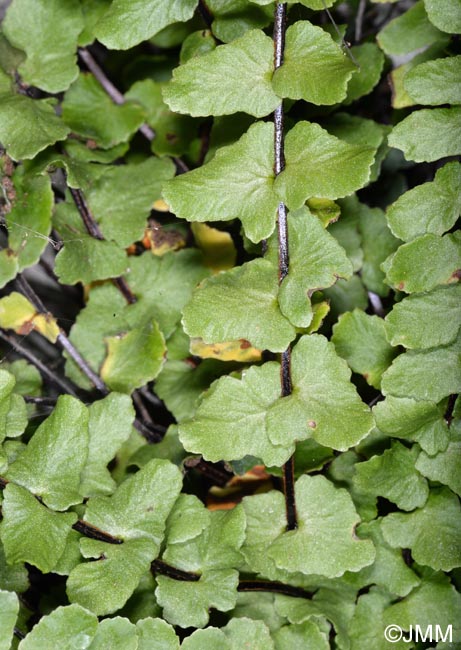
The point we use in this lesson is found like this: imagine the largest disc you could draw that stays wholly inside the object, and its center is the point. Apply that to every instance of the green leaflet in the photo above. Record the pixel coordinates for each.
(315, 546)
(393, 475)
(109, 426)
(415, 530)
(341, 471)
(8, 266)
(314, 66)
(435, 82)
(446, 18)
(361, 340)
(230, 411)
(142, 184)
(187, 520)
(444, 467)
(55, 476)
(86, 259)
(424, 263)
(180, 385)
(233, 304)
(236, 184)
(92, 13)
(12, 577)
(324, 404)
(140, 505)
(320, 165)
(129, 22)
(156, 634)
(439, 134)
(214, 555)
(66, 627)
(27, 126)
(29, 221)
(135, 513)
(377, 244)
(409, 31)
(162, 286)
(234, 77)
(9, 607)
(173, 132)
(133, 358)
(435, 602)
(237, 634)
(47, 31)
(365, 629)
(196, 44)
(426, 320)
(307, 635)
(427, 375)
(13, 416)
(421, 421)
(91, 584)
(316, 262)
(389, 570)
(32, 533)
(360, 131)
(431, 207)
(116, 633)
(371, 62)
(232, 18)
(90, 112)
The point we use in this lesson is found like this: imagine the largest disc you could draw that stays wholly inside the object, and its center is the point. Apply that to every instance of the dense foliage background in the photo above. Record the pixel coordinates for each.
(219, 429)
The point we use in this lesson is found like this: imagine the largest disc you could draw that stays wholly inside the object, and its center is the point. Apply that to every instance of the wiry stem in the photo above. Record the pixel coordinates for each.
(274, 587)
(284, 259)
(153, 433)
(44, 370)
(88, 530)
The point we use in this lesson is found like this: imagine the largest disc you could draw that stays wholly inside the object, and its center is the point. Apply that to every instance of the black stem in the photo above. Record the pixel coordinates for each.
(218, 475)
(88, 530)
(283, 251)
(275, 587)
(448, 417)
(43, 401)
(85, 214)
(153, 433)
(164, 569)
(41, 367)
(82, 363)
(205, 13)
(18, 634)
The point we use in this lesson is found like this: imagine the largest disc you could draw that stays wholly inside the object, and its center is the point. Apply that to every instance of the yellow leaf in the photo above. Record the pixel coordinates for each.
(218, 249)
(18, 314)
(320, 310)
(400, 97)
(325, 210)
(161, 241)
(229, 351)
(161, 206)
(47, 326)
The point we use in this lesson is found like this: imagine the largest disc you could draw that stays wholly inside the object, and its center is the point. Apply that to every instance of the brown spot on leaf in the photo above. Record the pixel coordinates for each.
(244, 344)
(456, 275)
(401, 286)
(171, 137)
(25, 328)
(312, 424)
(91, 144)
